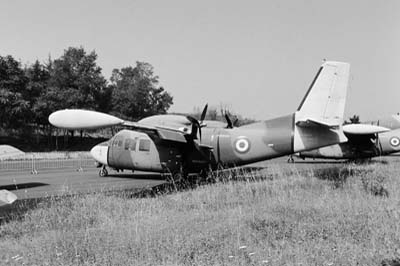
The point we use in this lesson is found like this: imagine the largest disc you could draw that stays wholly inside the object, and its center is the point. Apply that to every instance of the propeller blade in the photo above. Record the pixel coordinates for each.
(196, 126)
(203, 114)
(235, 123)
(228, 121)
(73, 119)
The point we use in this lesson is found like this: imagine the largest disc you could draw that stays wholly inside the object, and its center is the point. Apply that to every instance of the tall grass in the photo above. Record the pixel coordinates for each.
(333, 217)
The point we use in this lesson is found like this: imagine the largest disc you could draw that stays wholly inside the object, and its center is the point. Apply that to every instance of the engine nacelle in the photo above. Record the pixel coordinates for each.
(390, 141)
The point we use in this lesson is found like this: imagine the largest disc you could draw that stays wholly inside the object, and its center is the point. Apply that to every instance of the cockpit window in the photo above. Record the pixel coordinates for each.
(115, 142)
(144, 145)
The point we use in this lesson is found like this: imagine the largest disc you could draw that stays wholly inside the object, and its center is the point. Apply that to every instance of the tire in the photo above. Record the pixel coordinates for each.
(177, 177)
(103, 173)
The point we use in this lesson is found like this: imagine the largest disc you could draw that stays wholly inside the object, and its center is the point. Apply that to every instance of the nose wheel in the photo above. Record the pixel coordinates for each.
(103, 172)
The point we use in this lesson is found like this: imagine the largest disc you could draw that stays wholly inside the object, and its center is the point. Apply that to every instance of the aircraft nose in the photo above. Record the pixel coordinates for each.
(99, 153)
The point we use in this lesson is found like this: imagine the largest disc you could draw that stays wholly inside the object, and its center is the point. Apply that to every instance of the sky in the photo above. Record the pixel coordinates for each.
(257, 58)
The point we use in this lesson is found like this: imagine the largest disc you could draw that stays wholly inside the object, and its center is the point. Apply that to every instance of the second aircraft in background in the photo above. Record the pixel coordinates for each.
(364, 141)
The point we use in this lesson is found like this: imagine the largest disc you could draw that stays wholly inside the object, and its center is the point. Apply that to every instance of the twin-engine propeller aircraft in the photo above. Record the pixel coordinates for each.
(364, 141)
(181, 145)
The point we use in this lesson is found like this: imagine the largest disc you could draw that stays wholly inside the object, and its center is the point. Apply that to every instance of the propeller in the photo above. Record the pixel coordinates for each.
(229, 121)
(196, 124)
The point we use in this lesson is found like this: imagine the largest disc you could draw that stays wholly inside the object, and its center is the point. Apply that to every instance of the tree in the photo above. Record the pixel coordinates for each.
(74, 81)
(38, 77)
(77, 78)
(355, 119)
(136, 93)
(14, 107)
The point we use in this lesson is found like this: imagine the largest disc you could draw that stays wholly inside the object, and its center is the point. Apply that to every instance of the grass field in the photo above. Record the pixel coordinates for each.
(343, 216)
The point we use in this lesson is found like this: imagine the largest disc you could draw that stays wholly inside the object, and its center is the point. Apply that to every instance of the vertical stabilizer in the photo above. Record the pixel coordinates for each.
(319, 118)
(325, 99)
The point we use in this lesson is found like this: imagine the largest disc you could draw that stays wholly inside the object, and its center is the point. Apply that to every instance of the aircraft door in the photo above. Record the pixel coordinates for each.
(147, 156)
(121, 155)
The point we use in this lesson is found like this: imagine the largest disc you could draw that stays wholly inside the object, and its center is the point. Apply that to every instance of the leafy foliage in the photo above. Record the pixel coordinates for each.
(28, 95)
(14, 105)
(355, 119)
(136, 93)
(77, 78)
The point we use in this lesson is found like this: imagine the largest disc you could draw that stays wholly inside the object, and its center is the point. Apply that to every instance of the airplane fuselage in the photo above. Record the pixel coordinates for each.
(134, 150)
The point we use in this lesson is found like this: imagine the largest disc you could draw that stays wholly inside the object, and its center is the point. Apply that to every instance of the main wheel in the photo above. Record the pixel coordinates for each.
(177, 177)
(103, 172)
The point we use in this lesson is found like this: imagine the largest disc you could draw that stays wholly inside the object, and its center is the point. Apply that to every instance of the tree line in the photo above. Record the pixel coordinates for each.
(30, 93)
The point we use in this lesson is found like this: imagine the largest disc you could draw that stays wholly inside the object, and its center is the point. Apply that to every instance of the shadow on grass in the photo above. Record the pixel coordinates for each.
(17, 210)
(320, 162)
(391, 262)
(136, 176)
(339, 175)
(23, 185)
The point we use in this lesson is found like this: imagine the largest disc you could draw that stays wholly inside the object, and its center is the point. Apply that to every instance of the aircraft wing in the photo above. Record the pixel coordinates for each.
(362, 134)
(164, 132)
(175, 135)
(75, 119)
(363, 129)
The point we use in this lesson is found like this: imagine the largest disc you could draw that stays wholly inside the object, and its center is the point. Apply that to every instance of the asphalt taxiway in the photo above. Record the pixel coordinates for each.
(70, 181)
(67, 181)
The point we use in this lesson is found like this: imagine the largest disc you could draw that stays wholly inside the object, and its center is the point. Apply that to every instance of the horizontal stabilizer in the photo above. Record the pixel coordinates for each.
(363, 129)
(75, 119)
(310, 122)
(7, 197)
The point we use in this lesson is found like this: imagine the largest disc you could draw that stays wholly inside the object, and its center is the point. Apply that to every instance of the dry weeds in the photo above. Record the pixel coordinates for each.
(347, 216)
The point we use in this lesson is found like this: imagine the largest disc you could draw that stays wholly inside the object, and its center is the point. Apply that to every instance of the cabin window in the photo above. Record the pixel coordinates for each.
(130, 144)
(127, 143)
(144, 145)
(115, 142)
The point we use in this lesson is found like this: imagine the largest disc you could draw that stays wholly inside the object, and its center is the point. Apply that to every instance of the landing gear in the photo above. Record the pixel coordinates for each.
(206, 175)
(103, 171)
(290, 159)
(177, 176)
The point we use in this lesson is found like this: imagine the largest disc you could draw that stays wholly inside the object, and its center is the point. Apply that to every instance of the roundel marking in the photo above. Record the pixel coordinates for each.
(242, 145)
(394, 141)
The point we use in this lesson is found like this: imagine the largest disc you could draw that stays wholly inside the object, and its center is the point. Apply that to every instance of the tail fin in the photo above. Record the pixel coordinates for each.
(319, 118)
(325, 99)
